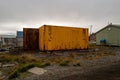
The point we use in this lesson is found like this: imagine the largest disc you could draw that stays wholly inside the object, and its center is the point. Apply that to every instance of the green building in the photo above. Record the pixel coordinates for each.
(109, 35)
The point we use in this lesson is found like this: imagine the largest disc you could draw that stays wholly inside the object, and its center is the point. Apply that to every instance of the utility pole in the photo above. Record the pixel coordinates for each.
(0, 42)
(91, 29)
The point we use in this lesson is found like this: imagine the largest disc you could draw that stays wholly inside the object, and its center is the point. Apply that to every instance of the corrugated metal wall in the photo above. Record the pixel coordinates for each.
(31, 39)
(62, 38)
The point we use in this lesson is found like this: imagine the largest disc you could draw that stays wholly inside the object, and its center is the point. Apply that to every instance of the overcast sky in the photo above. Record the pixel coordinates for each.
(16, 14)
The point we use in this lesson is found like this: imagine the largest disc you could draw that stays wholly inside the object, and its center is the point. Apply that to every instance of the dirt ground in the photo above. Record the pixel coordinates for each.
(96, 63)
(110, 72)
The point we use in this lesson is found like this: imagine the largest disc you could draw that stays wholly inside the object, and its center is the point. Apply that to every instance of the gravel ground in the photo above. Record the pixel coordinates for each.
(88, 68)
(107, 72)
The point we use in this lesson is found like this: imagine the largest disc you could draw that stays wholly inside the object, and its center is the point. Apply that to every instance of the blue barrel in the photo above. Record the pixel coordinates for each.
(103, 41)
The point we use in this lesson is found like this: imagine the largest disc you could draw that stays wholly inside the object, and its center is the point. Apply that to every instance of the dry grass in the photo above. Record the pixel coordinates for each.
(98, 55)
(63, 60)
(24, 58)
(26, 61)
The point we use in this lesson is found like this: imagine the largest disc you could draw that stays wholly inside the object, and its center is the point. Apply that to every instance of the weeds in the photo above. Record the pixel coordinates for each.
(25, 62)
(21, 68)
(98, 55)
(5, 58)
(64, 63)
(14, 73)
(78, 64)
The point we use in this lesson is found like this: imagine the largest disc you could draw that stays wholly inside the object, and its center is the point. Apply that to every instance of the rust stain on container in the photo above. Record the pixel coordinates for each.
(62, 38)
(31, 39)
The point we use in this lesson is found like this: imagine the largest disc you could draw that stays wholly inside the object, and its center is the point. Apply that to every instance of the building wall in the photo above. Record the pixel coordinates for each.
(19, 34)
(19, 42)
(8, 40)
(110, 34)
(19, 39)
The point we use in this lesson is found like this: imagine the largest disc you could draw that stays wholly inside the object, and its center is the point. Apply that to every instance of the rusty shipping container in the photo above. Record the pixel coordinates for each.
(62, 38)
(31, 38)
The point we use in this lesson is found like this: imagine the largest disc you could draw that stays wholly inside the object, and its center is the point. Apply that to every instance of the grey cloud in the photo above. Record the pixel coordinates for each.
(78, 12)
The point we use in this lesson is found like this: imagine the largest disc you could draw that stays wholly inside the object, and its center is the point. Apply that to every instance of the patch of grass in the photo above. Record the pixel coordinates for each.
(24, 58)
(21, 68)
(64, 63)
(98, 55)
(45, 64)
(5, 58)
(71, 56)
(25, 62)
(78, 64)
(93, 46)
(14, 73)
(25, 67)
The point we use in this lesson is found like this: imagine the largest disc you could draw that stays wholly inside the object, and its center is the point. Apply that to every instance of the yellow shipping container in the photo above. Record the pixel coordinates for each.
(62, 38)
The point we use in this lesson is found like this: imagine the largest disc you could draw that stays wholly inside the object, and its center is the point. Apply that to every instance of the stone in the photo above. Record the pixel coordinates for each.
(8, 65)
(37, 71)
(0, 73)
(0, 64)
